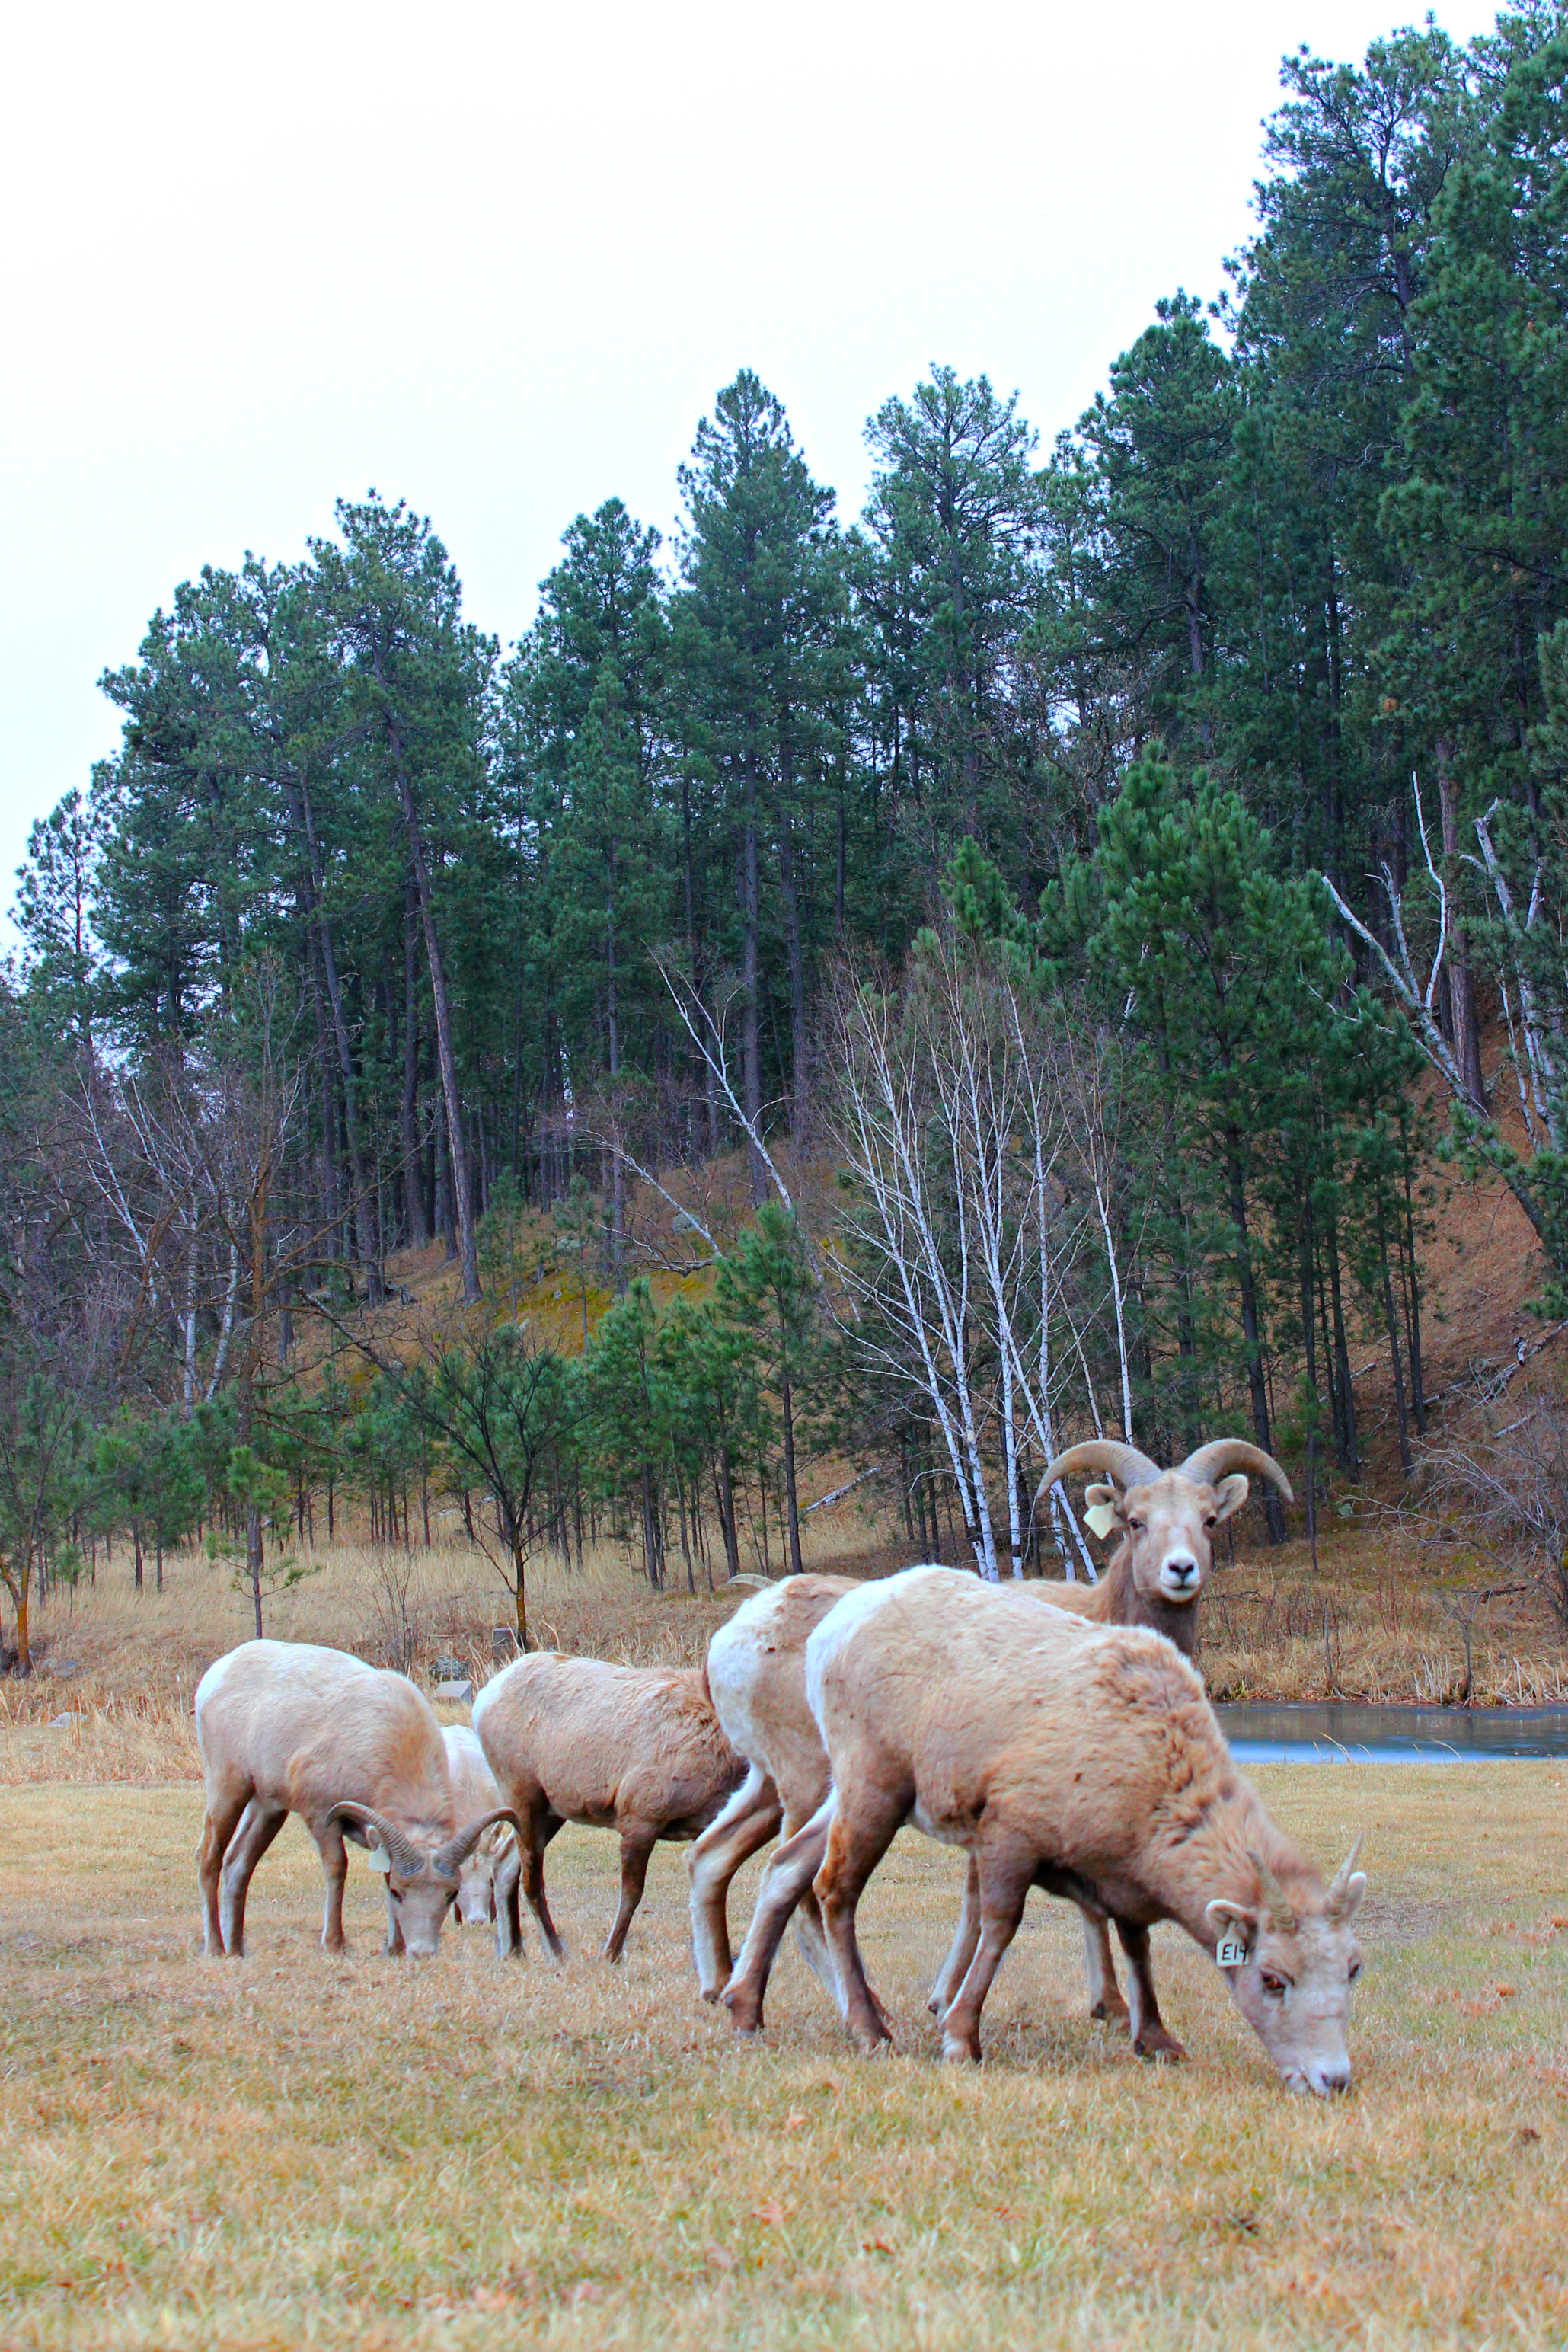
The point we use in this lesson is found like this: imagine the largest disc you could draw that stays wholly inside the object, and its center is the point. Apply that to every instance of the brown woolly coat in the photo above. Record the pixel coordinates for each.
(301, 1729)
(606, 1744)
(1095, 1747)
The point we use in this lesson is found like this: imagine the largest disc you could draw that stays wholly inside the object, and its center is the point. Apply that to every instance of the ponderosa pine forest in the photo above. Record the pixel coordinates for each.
(859, 997)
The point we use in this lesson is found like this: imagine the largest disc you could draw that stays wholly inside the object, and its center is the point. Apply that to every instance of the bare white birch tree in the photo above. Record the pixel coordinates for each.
(964, 1245)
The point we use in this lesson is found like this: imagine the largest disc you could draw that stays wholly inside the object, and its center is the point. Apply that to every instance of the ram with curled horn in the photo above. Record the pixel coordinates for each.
(1163, 1523)
(286, 1727)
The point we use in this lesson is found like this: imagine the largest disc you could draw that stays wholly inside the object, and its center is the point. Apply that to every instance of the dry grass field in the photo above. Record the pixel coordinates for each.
(291, 2150)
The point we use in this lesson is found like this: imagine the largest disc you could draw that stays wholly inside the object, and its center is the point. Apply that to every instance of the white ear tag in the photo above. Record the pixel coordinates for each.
(379, 1859)
(1100, 1519)
(1230, 1952)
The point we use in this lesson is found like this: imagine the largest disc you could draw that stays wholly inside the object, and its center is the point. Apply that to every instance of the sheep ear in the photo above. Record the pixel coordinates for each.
(1230, 1493)
(1236, 1932)
(1104, 1509)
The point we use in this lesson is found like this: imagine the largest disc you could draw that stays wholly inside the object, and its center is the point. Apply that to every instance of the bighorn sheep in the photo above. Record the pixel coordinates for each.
(637, 1750)
(755, 1671)
(1164, 1522)
(284, 1727)
(1079, 1758)
(473, 1791)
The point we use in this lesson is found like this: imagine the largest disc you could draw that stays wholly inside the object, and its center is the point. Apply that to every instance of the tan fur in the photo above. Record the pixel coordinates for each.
(757, 1672)
(285, 1727)
(636, 1749)
(1080, 1757)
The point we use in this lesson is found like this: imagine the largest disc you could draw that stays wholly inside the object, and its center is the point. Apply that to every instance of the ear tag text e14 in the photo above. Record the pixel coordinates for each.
(378, 1858)
(1100, 1519)
(1230, 1952)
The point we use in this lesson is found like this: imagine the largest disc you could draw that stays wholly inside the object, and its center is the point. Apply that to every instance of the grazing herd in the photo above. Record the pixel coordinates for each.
(1057, 1733)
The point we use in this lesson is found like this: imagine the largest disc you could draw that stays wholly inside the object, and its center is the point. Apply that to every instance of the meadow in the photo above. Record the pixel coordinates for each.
(292, 2150)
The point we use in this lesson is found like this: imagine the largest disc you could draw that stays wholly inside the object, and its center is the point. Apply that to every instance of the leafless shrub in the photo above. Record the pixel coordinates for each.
(1512, 1480)
(391, 1585)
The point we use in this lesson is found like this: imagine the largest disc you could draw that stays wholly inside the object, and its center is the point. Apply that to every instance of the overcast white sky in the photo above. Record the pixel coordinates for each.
(496, 260)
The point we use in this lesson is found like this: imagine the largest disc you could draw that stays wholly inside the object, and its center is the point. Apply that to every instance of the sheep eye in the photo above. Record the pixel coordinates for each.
(1277, 1985)
(1210, 1523)
(1353, 1970)
(1137, 1526)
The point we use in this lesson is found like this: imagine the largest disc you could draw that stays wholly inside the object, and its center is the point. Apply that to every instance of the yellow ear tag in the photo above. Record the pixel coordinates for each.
(378, 1858)
(1100, 1519)
(1230, 1952)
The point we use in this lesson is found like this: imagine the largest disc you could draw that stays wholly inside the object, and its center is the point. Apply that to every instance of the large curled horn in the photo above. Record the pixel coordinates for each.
(1124, 1463)
(402, 1849)
(1222, 1454)
(1275, 1903)
(456, 1851)
(1334, 1900)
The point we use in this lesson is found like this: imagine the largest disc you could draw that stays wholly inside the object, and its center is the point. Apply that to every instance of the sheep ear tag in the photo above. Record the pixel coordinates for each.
(379, 1859)
(1100, 1519)
(1230, 1952)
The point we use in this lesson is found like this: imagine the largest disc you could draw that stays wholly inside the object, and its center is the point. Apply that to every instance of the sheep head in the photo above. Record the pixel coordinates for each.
(1165, 1520)
(474, 1905)
(1292, 1962)
(423, 1880)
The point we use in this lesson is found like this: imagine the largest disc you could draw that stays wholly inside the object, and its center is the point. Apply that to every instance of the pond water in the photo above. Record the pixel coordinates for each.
(1343, 1732)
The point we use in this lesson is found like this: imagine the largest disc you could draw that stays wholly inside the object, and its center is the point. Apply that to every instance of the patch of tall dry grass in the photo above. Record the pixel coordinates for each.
(117, 1670)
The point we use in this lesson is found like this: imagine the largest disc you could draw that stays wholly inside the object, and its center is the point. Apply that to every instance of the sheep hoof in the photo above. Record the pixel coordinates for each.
(1112, 2012)
(1155, 2043)
(961, 2049)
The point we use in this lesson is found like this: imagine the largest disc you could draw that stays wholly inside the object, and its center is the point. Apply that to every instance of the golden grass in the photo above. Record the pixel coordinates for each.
(134, 1661)
(292, 2151)
(1377, 1621)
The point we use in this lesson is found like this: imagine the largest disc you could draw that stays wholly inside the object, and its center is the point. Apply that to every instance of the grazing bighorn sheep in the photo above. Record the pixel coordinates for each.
(756, 1672)
(285, 1727)
(1165, 1521)
(1079, 1758)
(637, 1750)
(473, 1791)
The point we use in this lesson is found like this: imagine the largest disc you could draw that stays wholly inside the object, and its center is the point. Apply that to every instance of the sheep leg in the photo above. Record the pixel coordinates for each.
(1004, 1890)
(1150, 2038)
(811, 1940)
(222, 1815)
(751, 1817)
(259, 1826)
(504, 1901)
(965, 1938)
(335, 1867)
(634, 1856)
(533, 1851)
(857, 1840)
(784, 1881)
(1104, 1993)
